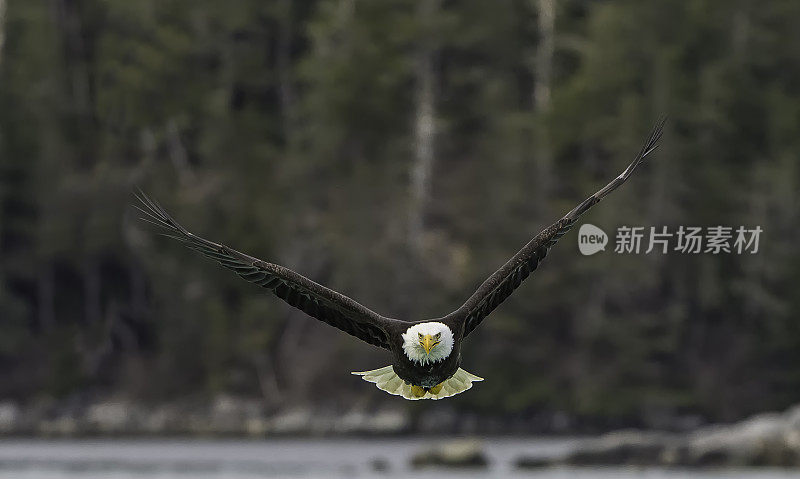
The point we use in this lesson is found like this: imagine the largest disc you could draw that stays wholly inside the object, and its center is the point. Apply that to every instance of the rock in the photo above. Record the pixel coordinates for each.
(635, 448)
(380, 464)
(460, 453)
(108, 417)
(768, 440)
(232, 415)
(388, 422)
(295, 421)
(352, 422)
(60, 426)
(763, 440)
(536, 462)
(257, 426)
(9, 417)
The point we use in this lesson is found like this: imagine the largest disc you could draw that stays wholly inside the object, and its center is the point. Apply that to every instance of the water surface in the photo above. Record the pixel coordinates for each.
(297, 458)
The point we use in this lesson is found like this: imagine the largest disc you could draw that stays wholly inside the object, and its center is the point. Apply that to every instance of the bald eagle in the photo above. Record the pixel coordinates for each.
(427, 353)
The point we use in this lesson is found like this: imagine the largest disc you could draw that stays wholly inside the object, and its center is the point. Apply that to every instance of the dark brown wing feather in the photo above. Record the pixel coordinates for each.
(312, 298)
(504, 281)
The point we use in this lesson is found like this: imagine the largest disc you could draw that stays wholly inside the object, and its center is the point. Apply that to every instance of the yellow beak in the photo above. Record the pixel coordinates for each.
(428, 342)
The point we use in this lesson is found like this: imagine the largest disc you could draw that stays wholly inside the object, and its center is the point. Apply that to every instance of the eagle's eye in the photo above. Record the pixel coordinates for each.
(437, 336)
(420, 336)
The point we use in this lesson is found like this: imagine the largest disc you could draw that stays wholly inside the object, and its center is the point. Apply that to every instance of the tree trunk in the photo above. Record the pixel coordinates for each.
(542, 87)
(69, 21)
(46, 298)
(2, 28)
(93, 301)
(422, 167)
(138, 289)
(659, 205)
(284, 65)
(424, 129)
(267, 379)
(543, 67)
(177, 153)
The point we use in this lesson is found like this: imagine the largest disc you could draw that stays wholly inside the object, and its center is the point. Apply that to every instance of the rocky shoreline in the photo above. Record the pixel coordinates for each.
(764, 440)
(769, 439)
(224, 416)
(235, 416)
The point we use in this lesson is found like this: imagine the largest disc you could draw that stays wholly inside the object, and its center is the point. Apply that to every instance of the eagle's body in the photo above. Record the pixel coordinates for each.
(426, 354)
(415, 373)
(416, 366)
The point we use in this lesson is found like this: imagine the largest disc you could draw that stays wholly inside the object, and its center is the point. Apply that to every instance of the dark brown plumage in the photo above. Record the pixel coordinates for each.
(304, 294)
(504, 281)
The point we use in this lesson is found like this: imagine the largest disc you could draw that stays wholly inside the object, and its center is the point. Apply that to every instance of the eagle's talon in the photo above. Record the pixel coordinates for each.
(418, 391)
(436, 389)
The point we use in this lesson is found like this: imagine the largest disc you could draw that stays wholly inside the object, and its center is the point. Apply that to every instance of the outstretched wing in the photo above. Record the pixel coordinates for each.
(312, 298)
(504, 281)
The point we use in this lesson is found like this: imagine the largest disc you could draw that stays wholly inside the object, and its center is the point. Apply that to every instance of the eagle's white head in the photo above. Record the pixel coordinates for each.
(428, 342)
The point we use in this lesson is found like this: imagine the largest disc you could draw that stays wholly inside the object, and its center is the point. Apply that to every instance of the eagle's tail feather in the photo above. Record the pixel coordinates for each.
(387, 380)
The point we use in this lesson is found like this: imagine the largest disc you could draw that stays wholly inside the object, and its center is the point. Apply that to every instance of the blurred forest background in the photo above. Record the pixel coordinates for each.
(399, 151)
